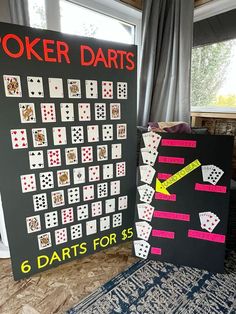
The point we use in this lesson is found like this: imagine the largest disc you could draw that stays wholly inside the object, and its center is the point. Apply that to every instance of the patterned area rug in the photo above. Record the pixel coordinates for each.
(162, 288)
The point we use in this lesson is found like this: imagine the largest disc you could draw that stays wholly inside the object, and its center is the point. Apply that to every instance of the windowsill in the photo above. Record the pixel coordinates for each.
(213, 110)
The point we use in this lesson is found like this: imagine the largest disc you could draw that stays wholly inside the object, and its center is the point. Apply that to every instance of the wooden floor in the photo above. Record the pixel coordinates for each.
(58, 289)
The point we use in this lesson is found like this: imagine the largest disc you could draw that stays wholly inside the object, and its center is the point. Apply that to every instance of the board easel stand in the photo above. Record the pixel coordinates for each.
(4, 249)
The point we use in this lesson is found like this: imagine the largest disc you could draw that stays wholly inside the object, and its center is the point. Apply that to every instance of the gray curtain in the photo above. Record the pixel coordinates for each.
(164, 89)
(19, 12)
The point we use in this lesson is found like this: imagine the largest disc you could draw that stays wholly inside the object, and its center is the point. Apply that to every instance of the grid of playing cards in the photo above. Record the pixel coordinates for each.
(146, 193)
(75, 157)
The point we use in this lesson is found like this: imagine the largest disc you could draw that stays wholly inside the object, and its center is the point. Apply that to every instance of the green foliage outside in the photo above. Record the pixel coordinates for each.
(210, 64)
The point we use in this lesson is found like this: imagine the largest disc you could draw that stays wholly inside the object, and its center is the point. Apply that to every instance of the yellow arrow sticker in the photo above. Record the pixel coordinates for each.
(162, 187)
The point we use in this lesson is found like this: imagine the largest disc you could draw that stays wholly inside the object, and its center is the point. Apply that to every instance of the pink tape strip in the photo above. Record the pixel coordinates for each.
(213, 237)
(210, 188)
(163, 234)
(171, 215)
(163, 176)
(156, 250)
(179, 143)
(171, 160)
(163, 197)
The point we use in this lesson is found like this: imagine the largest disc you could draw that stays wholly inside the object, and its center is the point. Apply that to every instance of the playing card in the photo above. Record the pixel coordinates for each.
(143, 230)
(71, 156)
(36, 160)
(141, 248)
(151, 140)
(63, 177)
(94, 173)
(91, 88)
(104, 223)
(107, 132)
(87, 154)
(115, 187)
(121, 131)
(102, 190)
(88, 192)
(79, 175)
(107, 89)
(33, 224)
(76, 231)
(208, 221)
(40, 202)
(116, 151)
(84, 112)
(77, 134)
(73, 195)
(117, 220)
(44, 241)
(215, 175)
(100, 111)
(206, 170)
(96, 208)
(122, 90)
(122, 202)
(74, 88)
(146, 193)
(92, 133)
(147, 173)
(39, 137)
(27, 113)
(58, 198)
(115, 111)
(51, 219)
(19, 139)
(67, 215)
(46, 180)
(28, 183)
(91, 227)
(59, 136)
(107, 171)
(102, 152)
(61, 236)
(35, 86)
(110, 205)
(145, 211)
(12, 86)
(48, 112)
(121, 169)
(82, 212)
(67, 112)
(56, 87)
(149, 156)
(54, 157)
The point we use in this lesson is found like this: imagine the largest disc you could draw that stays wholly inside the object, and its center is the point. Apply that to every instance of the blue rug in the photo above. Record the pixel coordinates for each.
(162, 288)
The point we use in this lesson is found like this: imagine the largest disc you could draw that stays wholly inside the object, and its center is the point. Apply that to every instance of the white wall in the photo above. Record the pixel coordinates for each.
(4, 11)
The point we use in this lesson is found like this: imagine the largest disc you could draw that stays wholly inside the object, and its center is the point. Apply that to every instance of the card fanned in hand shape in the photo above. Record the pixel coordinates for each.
(183, 199)
(68, 146)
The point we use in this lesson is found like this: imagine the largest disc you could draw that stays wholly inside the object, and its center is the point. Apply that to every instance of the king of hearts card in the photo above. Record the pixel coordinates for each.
(68, 145)
(183, 199)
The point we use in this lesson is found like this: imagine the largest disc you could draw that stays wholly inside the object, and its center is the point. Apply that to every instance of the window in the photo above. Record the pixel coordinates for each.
(107, 19)
(213, 77)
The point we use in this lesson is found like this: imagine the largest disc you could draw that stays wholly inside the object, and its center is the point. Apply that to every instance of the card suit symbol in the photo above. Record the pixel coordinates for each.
(38, 81)
(32, 93)
(31, 80)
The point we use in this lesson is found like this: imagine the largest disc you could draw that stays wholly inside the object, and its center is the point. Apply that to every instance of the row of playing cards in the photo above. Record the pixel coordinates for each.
(211, 173)
(149, 152)
(147, 173)
(208, 221)
(12, 84)
(146, 193)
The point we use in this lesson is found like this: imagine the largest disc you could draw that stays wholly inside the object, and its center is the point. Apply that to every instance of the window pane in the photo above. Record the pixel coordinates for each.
(213, 77)
(78, 20)
(37, 13)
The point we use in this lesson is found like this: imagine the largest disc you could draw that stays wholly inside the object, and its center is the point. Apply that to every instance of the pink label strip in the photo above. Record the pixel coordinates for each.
(163, 197)
(171, 215)
(213, 237)
(179, 143)
(210, 188)
(163, 176)
(171, 160)
(156, 250)
(163, 234)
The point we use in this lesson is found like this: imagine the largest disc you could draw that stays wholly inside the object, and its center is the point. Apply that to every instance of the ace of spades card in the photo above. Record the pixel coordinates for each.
(35, 86)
